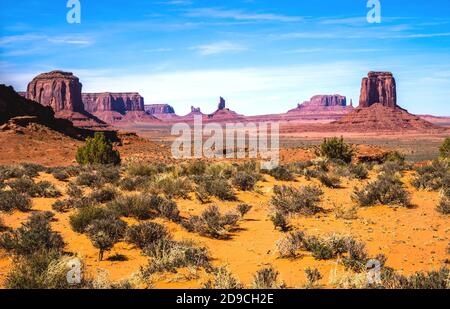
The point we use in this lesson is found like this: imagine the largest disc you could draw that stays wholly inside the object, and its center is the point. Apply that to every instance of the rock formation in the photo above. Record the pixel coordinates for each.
(118, 102)
(378, 87)
(223, 113)
(323, 103)
(157, 109)
(57, 89)
(62, 92)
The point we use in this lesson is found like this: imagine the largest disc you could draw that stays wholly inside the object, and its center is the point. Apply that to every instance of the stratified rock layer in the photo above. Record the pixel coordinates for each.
(323, 102)
(378, 87)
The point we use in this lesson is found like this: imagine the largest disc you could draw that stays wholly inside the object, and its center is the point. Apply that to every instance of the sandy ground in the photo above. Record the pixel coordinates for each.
(413, 239)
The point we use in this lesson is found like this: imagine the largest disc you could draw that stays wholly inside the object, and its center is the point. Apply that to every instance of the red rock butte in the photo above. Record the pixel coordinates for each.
(378, 87)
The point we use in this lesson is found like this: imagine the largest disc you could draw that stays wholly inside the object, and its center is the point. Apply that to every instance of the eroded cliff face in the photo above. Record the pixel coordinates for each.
(57, 89)
(159, 109)
(117, 102)
(323, 103)
(378, 87)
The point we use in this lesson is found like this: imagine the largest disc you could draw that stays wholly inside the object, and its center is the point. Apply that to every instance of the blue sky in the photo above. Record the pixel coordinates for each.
(262, 56)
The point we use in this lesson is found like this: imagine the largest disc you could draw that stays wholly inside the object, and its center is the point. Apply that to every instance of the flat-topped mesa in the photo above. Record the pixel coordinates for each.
(57, 89)
(159, 109)
(109, 101)
(378, 87)
(323, 102)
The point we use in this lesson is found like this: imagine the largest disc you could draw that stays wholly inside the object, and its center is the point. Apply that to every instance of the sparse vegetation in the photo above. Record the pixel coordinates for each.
(11, 200)
(40, 189)
(432, 177)
(346, 213)
(444, 150)
(280, 173)
(312, 276)
(387, 189)
(335, 149)
(212, 223)
(104, 195)
(266, 278)
(144, 234)
(243, 209)
(223, 279)
(444, 203)
(299, 201)
(330, 181)
(359, 171)
(219, 188)
(105, 232)
(97, 150)
(172, 187)
(84, 217)
(279, 221)
(245, 181)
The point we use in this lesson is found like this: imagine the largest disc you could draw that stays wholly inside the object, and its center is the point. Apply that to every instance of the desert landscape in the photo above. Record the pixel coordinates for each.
(90, 177)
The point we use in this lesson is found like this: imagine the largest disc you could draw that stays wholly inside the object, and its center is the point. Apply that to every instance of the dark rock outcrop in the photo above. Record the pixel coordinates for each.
(223, 113)
(378, 87)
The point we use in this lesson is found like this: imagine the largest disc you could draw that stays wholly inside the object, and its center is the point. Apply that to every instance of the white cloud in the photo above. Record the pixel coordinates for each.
(218, 48)
(240, 15)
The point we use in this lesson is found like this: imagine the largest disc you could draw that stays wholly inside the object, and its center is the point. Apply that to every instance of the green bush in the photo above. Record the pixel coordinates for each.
(304, 200)
(97, 150)
(336, 149)
(11, 200)
(34, 235)
(444, 150)
(81, 220)
(144, 234)
(387, 189)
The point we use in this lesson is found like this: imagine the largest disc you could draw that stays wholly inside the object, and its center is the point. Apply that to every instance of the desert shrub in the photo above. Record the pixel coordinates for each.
(330, 181)
(32, 272)
(288, 246)
(302, 201)
(89, 179)
(11, 200)
(280, 173)
(211, 222)
(73, 190)
(194, 168)
(141, 169)
(24, 185)
(219, 188)
(312, 276)
(311, 173)
(435, 279)
(134, 184)
(357, 256)
(349, 213)
(144, 234)
(34, 235)
(105, 232)
(60, 206)
(243, 209)
(3, 227)
(245, 181)
(60, 175)
(165, 208)
(107, 173)
(444, 203)
(223, 170)
(335, 149)
(172, 187)
(432, 177)
(359, 171)
(280, 221)
(81, 220)
(266, 278)
(32, 169)
(168, 255)
(320, 248)
(444, 149)
(222, 279)
(387, 189)
(104, 195)
(202, 194)
(392, 167)
(97, 150)
(395, 156)
(18, 171)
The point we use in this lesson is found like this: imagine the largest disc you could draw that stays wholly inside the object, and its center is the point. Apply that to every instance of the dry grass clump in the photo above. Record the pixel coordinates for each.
(280, 221)
(359, 171)
(346, 213)
(27, 186)
(387, 189)
(219, 188)
(312, 276)
(303, 201)
(282, 173)
(73, 203)
(171, 186)
(222, 279)
(245, 181)
(168, 255)
(212, 223)
(243, 209)
(134, 183)
(330, 180)
(104, 195)
(444, 203)
(266, 278)
(288, 246)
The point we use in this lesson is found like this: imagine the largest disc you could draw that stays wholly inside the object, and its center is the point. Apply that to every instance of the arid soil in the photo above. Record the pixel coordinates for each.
(414, 239)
